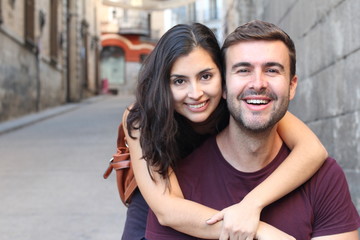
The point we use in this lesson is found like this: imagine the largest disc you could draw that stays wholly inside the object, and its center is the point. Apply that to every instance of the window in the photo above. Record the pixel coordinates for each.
(1, 17)
(213, 10)
(53, 30)
(192, 12)
(29, 22)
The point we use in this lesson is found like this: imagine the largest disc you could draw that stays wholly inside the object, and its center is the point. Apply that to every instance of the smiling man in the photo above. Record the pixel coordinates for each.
(259, 61)
(259, 83)
(260, 66)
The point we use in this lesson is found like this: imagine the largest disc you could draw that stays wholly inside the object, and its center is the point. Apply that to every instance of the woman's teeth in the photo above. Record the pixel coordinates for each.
(197, 105)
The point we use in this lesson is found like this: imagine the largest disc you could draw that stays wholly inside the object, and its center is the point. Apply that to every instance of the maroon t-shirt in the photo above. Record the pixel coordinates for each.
(322, 206)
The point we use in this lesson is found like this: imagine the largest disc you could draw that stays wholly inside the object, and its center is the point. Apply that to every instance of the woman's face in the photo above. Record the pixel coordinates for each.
(195, 82)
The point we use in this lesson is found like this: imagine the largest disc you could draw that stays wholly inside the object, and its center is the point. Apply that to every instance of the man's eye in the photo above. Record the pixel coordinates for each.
(272, 70)
(243, 70)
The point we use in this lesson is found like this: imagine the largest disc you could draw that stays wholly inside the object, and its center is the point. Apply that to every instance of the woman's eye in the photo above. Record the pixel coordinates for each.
(206, 76)
(179, 81)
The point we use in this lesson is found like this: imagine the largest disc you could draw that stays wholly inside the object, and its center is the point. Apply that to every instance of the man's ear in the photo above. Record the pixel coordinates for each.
(293, 85)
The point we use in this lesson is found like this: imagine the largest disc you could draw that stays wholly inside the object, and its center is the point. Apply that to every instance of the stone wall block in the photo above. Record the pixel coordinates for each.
(354, 177)
(52, 92)
(341, 137)
(17, 80)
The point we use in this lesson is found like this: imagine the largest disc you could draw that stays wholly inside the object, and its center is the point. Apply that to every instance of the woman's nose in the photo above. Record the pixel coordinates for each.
(195, 91)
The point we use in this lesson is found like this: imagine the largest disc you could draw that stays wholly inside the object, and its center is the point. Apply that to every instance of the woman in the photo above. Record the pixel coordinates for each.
(184, 69)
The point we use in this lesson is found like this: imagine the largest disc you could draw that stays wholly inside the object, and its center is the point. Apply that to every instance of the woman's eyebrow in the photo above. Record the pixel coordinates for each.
(177, 76)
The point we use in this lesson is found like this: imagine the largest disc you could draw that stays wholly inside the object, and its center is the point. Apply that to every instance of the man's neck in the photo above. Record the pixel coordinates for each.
(246, 150)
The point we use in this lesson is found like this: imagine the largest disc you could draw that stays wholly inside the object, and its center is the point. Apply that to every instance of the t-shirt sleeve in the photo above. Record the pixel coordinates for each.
(334, 211)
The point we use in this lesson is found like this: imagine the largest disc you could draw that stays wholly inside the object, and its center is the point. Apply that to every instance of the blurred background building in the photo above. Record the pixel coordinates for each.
(49, 54)
(58, 51)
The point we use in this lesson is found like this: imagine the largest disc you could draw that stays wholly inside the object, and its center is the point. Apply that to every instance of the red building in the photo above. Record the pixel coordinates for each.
(125, 44)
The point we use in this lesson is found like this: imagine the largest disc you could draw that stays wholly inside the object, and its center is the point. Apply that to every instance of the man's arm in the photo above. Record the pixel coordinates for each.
(342, 236)
(336, 217)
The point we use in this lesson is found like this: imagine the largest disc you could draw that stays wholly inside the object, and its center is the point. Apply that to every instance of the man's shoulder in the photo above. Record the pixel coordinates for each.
(329, 167)
(329, 195)
(328, 174)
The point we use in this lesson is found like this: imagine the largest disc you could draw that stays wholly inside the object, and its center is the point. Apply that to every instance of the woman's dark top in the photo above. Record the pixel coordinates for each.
(136, 216)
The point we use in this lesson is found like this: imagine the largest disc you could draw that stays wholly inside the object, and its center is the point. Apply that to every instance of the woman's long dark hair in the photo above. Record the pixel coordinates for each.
(166, 136)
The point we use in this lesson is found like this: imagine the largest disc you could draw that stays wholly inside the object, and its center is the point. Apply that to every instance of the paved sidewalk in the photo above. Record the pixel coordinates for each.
(24, 121)
(51, 166)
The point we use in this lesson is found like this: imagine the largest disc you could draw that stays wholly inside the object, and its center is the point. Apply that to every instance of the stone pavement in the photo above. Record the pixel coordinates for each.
(51, 166)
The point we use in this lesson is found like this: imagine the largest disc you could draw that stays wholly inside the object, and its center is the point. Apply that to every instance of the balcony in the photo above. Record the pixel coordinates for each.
(148, 5)
(138, 25)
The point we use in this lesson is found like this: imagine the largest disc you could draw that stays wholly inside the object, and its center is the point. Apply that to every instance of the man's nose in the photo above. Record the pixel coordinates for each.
(259, 81)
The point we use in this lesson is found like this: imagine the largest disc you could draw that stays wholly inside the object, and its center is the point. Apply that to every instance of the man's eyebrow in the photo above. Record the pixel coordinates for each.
(274, 64)
(240, 64)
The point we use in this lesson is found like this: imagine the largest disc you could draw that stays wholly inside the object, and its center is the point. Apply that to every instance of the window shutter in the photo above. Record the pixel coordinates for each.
(54, 30)
(30, 22)
(1, 16)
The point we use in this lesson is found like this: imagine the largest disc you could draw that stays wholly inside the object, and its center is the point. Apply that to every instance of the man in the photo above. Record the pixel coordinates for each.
(260, 81)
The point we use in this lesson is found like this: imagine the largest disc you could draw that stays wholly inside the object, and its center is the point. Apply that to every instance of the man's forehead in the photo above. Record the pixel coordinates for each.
(257, 50)
(257, 43)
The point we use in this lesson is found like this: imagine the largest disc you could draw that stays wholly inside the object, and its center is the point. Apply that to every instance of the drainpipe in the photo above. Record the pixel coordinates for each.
(68, 19)
(42, 22)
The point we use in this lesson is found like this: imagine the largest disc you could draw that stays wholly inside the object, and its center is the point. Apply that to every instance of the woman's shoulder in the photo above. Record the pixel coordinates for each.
(126, 113)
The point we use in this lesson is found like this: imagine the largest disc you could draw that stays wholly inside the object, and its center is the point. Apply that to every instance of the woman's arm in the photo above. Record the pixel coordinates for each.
(306, 157)
(169, 206)
(174, 211)
(189, 217)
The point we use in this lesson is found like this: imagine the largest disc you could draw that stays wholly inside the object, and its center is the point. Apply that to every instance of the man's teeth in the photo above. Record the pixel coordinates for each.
(197, 105)
(257, 101)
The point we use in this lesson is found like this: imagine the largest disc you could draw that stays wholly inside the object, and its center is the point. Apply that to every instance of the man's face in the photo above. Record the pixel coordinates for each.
(258, 84)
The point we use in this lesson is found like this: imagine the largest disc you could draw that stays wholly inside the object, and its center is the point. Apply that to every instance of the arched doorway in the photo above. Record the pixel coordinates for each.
(112, 66)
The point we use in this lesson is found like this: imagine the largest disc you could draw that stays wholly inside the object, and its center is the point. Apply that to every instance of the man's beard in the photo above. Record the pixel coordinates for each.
(256, 124)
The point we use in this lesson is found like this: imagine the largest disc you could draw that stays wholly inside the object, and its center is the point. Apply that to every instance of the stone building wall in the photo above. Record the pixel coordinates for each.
(327, 39)
(51, 68)
(18, 81)
(28, 82)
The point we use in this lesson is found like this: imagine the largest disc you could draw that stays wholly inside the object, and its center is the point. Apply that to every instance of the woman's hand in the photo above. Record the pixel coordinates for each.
(240, 221)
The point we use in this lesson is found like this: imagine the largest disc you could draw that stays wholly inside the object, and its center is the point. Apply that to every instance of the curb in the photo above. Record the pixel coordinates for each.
(33, 118)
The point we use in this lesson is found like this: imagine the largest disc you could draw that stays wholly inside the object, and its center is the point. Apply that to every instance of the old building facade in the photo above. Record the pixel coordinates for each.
(48, 54)
(125, 41)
